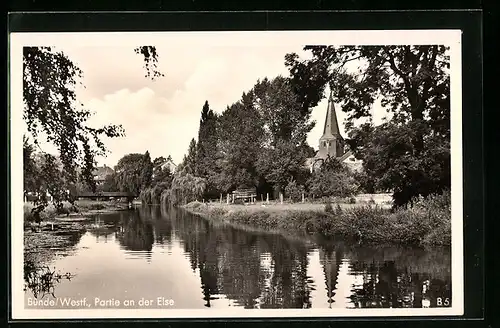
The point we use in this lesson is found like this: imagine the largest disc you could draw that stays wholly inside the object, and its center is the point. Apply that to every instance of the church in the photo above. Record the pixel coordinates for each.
(333, 144)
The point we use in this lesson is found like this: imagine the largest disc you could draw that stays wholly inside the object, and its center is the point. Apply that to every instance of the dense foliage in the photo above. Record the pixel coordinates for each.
(129, 173)
(425, 222)
(206, 151)
(185, 187)
(410, 153)
(260, 140)
(52, 113)
(332, 179)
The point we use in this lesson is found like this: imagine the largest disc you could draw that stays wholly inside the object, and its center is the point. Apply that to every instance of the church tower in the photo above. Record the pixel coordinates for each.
(331, 142)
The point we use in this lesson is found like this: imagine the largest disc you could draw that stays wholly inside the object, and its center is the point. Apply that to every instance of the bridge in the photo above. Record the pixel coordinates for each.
(107, 195)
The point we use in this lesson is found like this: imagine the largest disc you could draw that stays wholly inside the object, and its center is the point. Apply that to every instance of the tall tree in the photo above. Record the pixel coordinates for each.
(29, 166)
(185, 186)
(189, 161)
(240, 140)
(129, 173)
(146, 171)
(49, 80)
(412, 83)
(286, 126)
(206, 153)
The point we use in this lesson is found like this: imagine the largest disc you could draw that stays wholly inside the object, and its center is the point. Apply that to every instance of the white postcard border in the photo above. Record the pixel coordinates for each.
(451, 38)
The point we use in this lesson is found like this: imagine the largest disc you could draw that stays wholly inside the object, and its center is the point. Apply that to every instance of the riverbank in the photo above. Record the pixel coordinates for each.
(57, 228)
(79, 212)
(56, 232)
(426, 223)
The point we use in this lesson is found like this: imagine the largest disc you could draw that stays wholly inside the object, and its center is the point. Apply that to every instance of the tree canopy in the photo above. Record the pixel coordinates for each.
(52, 110)
(412, 84)
(129, 173)
(146, 171)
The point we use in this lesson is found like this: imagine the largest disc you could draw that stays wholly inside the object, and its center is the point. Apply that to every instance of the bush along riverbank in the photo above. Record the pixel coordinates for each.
(426, 222)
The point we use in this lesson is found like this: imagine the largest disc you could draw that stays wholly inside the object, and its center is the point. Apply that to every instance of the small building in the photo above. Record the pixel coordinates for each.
(169, 163)
(101, 173)
(332, 144)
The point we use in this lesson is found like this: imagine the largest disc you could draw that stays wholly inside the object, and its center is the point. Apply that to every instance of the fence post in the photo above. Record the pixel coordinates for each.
(233, 198)
(267, 198)
(302, 197)
(281, 198)
(221, 198)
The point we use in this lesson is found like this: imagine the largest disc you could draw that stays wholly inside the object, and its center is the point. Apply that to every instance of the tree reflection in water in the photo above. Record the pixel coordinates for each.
(39, 279)
(266, 270)
(136, 232)
(229, 261)
(401, 278)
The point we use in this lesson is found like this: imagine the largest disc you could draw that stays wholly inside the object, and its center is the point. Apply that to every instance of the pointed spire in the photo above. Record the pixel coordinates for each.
(331, 125)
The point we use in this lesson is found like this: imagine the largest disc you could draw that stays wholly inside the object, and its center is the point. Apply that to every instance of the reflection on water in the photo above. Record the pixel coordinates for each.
(156, 252)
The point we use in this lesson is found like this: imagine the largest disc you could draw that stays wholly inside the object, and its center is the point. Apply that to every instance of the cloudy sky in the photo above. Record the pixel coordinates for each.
(163, 115)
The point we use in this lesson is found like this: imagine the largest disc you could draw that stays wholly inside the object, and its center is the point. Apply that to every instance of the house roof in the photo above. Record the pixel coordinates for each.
(168, 163)
(101, 172)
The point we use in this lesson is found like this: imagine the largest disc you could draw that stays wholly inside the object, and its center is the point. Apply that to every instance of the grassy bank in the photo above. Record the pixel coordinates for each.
(425, 223)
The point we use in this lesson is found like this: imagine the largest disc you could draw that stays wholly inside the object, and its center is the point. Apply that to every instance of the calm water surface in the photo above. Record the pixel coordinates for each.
(178, 260)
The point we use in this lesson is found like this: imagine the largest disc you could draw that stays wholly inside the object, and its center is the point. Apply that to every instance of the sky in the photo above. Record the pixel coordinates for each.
(162, 116)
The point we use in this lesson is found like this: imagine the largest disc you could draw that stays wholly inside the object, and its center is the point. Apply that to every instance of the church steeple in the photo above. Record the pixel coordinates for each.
(331, 125)
(331, 142)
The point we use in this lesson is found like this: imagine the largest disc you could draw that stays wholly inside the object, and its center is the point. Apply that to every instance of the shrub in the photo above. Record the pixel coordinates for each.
(352, 200)
(333, 179)
(426, 222)
(294, 191)
(218, 212)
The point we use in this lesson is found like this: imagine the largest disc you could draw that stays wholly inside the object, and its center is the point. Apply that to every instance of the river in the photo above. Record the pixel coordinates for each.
(158, 257)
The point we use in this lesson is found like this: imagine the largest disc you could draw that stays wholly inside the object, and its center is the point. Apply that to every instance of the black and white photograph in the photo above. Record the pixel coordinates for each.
(236, 174)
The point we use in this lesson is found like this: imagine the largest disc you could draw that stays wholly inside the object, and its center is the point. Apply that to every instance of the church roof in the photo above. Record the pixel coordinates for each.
(331, 128)
(345, 156)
